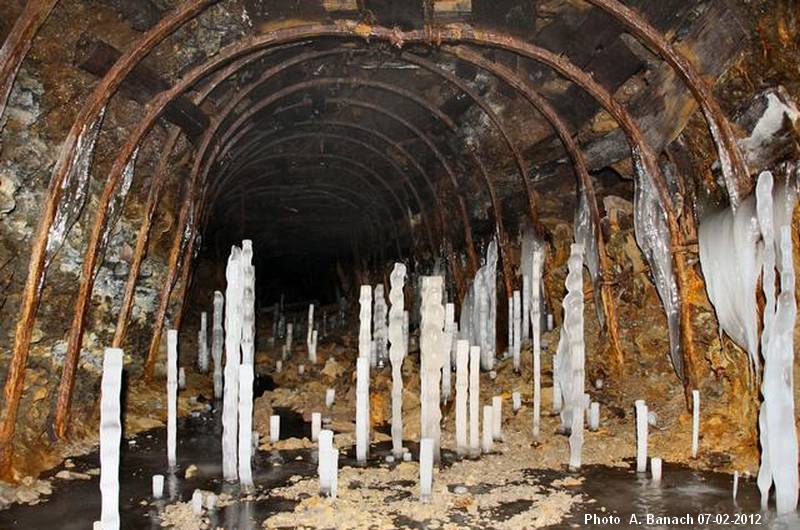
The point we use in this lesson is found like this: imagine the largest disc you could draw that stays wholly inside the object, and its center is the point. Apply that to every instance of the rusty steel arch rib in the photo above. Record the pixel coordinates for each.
(31, 291)
(732, 163)
(18, 43)
(581, 169)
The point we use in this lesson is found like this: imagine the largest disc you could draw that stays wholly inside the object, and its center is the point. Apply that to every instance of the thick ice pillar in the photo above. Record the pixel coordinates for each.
(217, 339)
(397, 352)
(362, 409)
(434, 353)
(233, 335)
(536, 325)
(462, 377)
(172, 398)
(474, 400)
(246, 376)
(110, 434)
(202, 344)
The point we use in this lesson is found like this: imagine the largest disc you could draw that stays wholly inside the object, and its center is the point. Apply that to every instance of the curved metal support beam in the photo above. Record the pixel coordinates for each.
(734, 168)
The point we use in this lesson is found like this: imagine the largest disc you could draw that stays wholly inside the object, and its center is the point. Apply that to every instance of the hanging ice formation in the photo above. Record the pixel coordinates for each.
(586, 235)
(531, 243)
(571, 357)
(479, 309)
(776, 418)
(652, 236)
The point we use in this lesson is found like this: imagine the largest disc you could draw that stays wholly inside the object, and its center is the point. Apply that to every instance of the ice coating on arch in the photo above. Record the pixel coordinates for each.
(571, 357)
(586, 235)
(74, 188)
(776, 418)
(652, 236)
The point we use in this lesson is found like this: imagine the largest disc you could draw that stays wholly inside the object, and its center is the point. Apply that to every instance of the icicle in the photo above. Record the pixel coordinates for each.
(462, 376)
(202, 344)
(246, 377)
(536, 321)
(172, 397)
(397, 353)
(233, 336)
(110, 434)
(474, 400)
(449, 331)
(217, 339)
(571, 357)
(426, 455)
(652, 235)
(434, 353)
(586, 235)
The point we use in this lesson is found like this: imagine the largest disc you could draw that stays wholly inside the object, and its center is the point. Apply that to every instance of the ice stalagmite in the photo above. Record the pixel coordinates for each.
(434, 347)
(379, 325)
(110, 434)
(248, 314)
(397, 353)
(462, 376)
(517, 316)
(479, 309)
(362, 409)
(652, 236)
(246, 376)
(776, 419)
(586, 235)
(571, 357)
(217, 340)
(474, 400)
(447, 367)
(233, 336)
(309, 328)
(536, 325)
(172, 397)
(526, 304)
(202, 344)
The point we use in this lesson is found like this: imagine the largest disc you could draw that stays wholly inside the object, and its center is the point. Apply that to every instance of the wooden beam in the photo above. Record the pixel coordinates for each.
(141, 85)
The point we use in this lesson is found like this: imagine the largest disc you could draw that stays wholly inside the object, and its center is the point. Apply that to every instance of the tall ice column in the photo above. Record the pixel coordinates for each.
(217, 339)
(397, 352)
(110, 434)
(434, 352)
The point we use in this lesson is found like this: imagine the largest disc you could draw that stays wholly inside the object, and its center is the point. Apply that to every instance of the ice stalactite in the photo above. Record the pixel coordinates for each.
(586, 235)
(246, 376)
(397, 353)
(531, 243)
(217, 341)
(571, 357)
(652, 236)
(233, 336)
(202, 344)
(110, 435)
(479, 310)
(434, 345)
(379, 325)
(172, 398)
(731, 259)
(776, 418)
(536, 321)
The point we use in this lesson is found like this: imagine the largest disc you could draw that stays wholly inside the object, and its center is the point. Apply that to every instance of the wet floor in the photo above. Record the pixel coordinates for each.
(610, 495)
